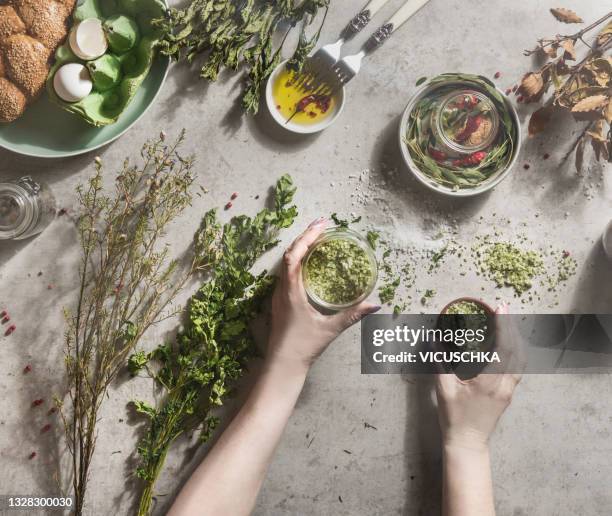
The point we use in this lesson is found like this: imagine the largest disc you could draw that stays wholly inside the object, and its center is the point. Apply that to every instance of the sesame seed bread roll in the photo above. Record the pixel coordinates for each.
(27, 63)
(10, 22)
(12, 101)
(45, 20)
(30, 31)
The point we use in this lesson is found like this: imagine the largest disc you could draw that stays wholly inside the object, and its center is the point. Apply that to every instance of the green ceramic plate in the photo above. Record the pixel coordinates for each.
(45, 130)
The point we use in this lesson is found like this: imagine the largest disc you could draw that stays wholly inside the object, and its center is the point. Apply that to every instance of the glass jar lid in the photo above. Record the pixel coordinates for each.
(17, 211)
(466, 121)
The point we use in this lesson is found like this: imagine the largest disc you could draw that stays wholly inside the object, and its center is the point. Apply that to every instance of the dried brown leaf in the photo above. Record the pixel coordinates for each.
(600, 148)
(597, 132)
(605, 35)
(580, 154)
(551, 50)
(607, 112)
(565, 15)
(539, 120)
(532, 86)
(591, 103)
(569, 51)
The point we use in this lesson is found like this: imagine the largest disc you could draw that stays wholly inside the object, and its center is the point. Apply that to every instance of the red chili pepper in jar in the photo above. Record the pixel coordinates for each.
(437, 154)
(471, 126)
(472, 160)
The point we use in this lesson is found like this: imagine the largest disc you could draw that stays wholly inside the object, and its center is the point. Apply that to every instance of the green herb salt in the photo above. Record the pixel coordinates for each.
(509, 266)
(465, 308)
(338, 271)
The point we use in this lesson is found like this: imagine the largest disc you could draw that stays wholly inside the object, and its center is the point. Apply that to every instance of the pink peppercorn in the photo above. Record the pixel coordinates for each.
(10, 330)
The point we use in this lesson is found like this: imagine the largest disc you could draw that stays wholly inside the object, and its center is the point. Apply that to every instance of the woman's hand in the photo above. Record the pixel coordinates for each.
(300, 333)
(469, 410)
(468, 413)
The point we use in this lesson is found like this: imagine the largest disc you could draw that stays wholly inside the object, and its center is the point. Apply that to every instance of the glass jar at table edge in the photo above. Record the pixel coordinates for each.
(341, 233)
(27, 207)
(446, 142)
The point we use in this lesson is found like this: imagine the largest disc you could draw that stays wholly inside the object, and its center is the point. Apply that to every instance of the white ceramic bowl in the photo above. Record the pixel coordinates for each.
(490, 183)
(300, 128)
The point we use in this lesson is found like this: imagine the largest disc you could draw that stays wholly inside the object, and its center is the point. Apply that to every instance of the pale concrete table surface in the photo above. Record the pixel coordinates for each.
(551, 452)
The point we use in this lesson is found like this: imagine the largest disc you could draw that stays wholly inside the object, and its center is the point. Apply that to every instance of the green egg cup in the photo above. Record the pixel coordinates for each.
(102, 108)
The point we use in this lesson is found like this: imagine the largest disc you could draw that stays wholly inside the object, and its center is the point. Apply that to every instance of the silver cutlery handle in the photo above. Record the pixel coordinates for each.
(401, 16)
(365, 15)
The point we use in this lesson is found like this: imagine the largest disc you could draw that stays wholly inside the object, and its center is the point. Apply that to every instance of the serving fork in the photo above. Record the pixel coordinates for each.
(321, 62)
(336, 75)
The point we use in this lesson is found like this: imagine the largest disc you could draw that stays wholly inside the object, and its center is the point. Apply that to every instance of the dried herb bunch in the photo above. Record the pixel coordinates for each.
(196, 371)
(229, 33)
(127, 283)
(582, 87)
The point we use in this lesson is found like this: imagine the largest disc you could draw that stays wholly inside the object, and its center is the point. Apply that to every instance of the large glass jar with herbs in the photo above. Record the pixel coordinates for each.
(27, 207)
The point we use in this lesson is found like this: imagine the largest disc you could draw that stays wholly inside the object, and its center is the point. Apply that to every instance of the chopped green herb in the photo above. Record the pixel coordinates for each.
(338, 271)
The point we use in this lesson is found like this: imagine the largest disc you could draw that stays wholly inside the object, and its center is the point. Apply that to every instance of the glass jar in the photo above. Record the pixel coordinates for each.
(27, 207)
(347, 271)
(464, 122)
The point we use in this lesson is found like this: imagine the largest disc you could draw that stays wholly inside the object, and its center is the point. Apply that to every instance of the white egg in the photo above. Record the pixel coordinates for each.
(88, 40)
(72, 82)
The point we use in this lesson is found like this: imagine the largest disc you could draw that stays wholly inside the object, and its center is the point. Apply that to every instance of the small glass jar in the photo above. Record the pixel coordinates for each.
(27, 207)
(354, 238)
(451, 121)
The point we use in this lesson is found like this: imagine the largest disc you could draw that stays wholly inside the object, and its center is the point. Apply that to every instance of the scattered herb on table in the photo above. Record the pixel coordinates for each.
(127, 283)
(428, 295)
(509, 266)
(232, 33)
(344, 223)
(372, 238)
(197, 370)
(583, 89)
(437, 258)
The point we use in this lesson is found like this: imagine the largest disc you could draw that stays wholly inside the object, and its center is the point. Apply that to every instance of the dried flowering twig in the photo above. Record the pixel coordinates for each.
(127, 282)
(583, 88)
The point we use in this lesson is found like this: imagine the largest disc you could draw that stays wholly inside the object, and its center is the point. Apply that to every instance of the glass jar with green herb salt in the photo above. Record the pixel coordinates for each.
(26, 208)
(340, 269)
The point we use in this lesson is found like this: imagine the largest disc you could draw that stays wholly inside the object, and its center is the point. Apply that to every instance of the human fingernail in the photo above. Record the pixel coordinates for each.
(374, 309)
(317, 222)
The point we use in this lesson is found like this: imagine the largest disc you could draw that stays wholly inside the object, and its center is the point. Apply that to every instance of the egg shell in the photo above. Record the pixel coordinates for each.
(72, 82)
(88, 39)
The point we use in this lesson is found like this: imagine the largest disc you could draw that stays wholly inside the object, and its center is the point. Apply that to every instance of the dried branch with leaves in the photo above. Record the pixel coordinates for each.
(127, 284)
(582, 87)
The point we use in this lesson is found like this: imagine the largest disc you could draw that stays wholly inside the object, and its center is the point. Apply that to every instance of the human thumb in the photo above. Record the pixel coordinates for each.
(354, 314)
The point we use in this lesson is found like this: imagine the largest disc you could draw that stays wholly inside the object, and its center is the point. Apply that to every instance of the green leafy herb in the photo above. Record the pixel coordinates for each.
(197, 370)
(429, 294)
(232, 33)
(344, 223)
(372, 237)
(420, 81)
